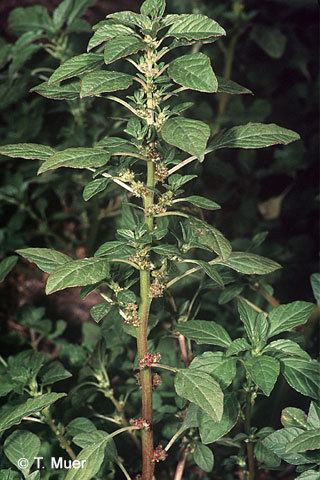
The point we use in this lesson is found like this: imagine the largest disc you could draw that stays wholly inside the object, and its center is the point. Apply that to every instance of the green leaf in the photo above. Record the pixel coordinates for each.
(99, 311)
(78, 8)
(80, 425)
(13, 414)
(221, 368)
(126, 296)
(167, 250)
(129, 18)
(107, 32)
(6, 265)
(309, 475)
(53, 372)
(203, 457)
(122, 46)
(302, 375)
(237, 346)
(210, 237)
(97, 185)
(315, 284)
(294, 417)
(277, 442)
(76, 66)
(29, 151)
(253, 135)
(265, 456)
(46, 259)
(96, 83)
(285, 317)
(264, 372)
(22, 444)
(93, 456)
(314, 415)
(205, 332)
(201, 389)
(31, 18)
(153, 8)
(61, 13)
(194, 71)
(270, 40)
(79, 157)
(201, 202)
(67, 91)
(9, 474)
(230, 87)
(284, 348)
(195, 27)
(191, 136)
(77, 273)
(255, 324)
(230, 293)
(115, 248)
(117, 145)
(211, 431)
(211, 271)
(250, 264)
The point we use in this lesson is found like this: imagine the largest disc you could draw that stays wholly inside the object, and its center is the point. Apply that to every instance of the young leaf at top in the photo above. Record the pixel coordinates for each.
(122, 46)
(46, 259)
(201, 389)
(195, 27)
(253, 135)
(191, 136)
(77, 273)
(96, 83)
(29, 151)
(250, 263)
(205, 332)
(80, 157)
(76, 66)
(194, 71)
(285, 317)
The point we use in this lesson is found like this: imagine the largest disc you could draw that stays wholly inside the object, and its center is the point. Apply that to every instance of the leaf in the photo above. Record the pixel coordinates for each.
(97, 185)
(99, 311)
(79, 157)
(253, 135)
(53, 372)
(265, 456)
(31, 18)
(211, 431)
(92, 457)
(191, 136)
(302, 375)
(77, 273)
(29, 151)
(264, 372)
(285, 317)
(96, 83)
(115, 248)
(194, 71)
(203, 457)
(250, 263)
(229, 294)
(221, 368)
(6, 265)
(153, 8)
(67, 91)
(107, 32)
(129, 18)
(195, 27)
(277, 442)
(270, 40)
(78, 8)
(117, 145)
(122, 46)
(205, 332)
(46, 259)
(201, 389)
(284, 348)
(237, 346)
(167, 250)
(315, 284)
(210, 237)
(211, 271)
(61, 13)
(309, 475)
(314, 416)
(80, 425)
(76, 66)
(230, 87)
(201, 202)
(255, 324)
(22, 444)
(294, 417)
(13, 414)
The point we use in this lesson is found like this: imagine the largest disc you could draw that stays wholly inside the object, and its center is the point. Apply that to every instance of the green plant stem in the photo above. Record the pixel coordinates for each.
(142, 342)
(64, 443)
(249, 444)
